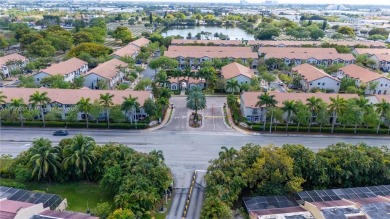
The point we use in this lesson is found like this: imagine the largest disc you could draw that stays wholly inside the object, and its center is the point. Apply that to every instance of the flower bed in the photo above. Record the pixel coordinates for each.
(195, 123)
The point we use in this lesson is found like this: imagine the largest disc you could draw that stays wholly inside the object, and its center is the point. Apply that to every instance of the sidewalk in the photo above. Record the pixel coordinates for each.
(165, 120)
(234, 126)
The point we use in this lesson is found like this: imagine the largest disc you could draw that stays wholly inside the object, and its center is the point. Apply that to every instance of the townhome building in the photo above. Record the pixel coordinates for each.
(236, 71)
(314, 56)
(108, 74)
(312, 77)
(194, 56)
(69, 69)
(369, 51)
(382, 61)
(364, 75)
(256, 44)
(253, 113)
(132, 49)
(65, 100)
(185, 83)
(12, 62)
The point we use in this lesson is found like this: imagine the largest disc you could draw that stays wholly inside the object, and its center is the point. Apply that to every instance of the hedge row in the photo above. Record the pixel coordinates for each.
(60, 124)
(316, 129)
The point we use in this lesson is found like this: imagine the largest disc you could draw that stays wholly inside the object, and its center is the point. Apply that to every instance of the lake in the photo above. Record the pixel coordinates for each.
(233, 32)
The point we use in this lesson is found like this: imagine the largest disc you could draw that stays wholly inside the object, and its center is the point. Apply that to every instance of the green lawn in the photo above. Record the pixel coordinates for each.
(80, 195)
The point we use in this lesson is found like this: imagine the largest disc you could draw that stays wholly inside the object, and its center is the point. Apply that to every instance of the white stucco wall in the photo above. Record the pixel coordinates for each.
(324, 83)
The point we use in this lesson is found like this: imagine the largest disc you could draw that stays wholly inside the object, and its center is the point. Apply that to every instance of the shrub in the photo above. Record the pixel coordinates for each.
(22, 174)
(13, 184)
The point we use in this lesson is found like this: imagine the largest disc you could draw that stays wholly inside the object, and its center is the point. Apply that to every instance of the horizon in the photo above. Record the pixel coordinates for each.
(319, 2)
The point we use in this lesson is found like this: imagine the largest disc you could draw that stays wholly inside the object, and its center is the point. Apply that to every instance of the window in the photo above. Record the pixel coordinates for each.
(37, 79)
(385, 92)
(323, 83)
(338, 84)
(319, 83)
(381, 85)
(311, 83)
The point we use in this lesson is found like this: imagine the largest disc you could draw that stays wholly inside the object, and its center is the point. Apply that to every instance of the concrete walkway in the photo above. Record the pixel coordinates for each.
(165, 120)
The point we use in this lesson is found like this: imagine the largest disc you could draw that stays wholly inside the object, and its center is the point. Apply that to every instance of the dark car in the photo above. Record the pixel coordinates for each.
(292, 86)
(60, 133)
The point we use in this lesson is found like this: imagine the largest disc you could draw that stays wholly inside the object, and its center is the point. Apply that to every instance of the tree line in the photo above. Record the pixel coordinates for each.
(18, 109)
(136, 182)
(265, 171)
(354, 112)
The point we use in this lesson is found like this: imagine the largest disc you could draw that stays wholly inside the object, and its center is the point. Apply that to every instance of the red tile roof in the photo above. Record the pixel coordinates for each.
(216, 42)
(11, 57)
(251, 98)
(65, 67)
(266, 50)
(191, 80)
(210, 51)
(13, 206)
(108, 69)
(311, 73)
(235, 69)
(128, 50)
(383, 57)
(305, 56)
(363, 74)
(72, 96)
(141, 42)
(372, 51)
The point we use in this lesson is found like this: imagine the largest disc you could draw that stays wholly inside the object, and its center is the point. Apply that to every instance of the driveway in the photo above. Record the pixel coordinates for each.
(213, 116)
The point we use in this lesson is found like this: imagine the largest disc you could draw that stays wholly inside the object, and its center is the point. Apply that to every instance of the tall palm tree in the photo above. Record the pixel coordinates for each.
(196, 101)
(337, 105)
(268, 101)
(314, 104)
(231, 101)
(2, 101)
(383, 109)
(84, 105)
(363, 103)
(40, 99)
(80, 154)
(105, 100)
(130, 104)
(288, 107)
(44, 161)
(18, 105)
(233, 86)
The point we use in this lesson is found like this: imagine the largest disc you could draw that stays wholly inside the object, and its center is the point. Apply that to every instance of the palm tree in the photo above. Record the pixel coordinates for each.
(44, 161)
(232, 85)
(363, 103)
(2, 101)
(130, 104)
(40, 99)
(106, 101)
(80, 154)
(266, 100)
(383, 108)
(336, 106)
(196, 101)
(314, 105)
(18, 105)
(231, 101)
(84, 105)
(289, 107)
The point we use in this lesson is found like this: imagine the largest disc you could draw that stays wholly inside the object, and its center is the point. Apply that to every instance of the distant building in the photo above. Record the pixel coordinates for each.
(12, 62)
(364, 75)
(336, 8)
(238, 72)
(185, 83)
(194, 56)
(110, 72)
(69, 69)
(312, 77)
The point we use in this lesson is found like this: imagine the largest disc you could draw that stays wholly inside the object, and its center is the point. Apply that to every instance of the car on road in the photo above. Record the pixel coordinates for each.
(60, 133)
(281, 83)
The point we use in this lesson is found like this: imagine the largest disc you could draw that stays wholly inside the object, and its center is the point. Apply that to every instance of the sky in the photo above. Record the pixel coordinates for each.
(377, 2)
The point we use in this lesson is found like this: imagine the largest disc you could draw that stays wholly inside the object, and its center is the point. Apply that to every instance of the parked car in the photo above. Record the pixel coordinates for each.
(60, 133)
(292, 86)
(281, 83)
